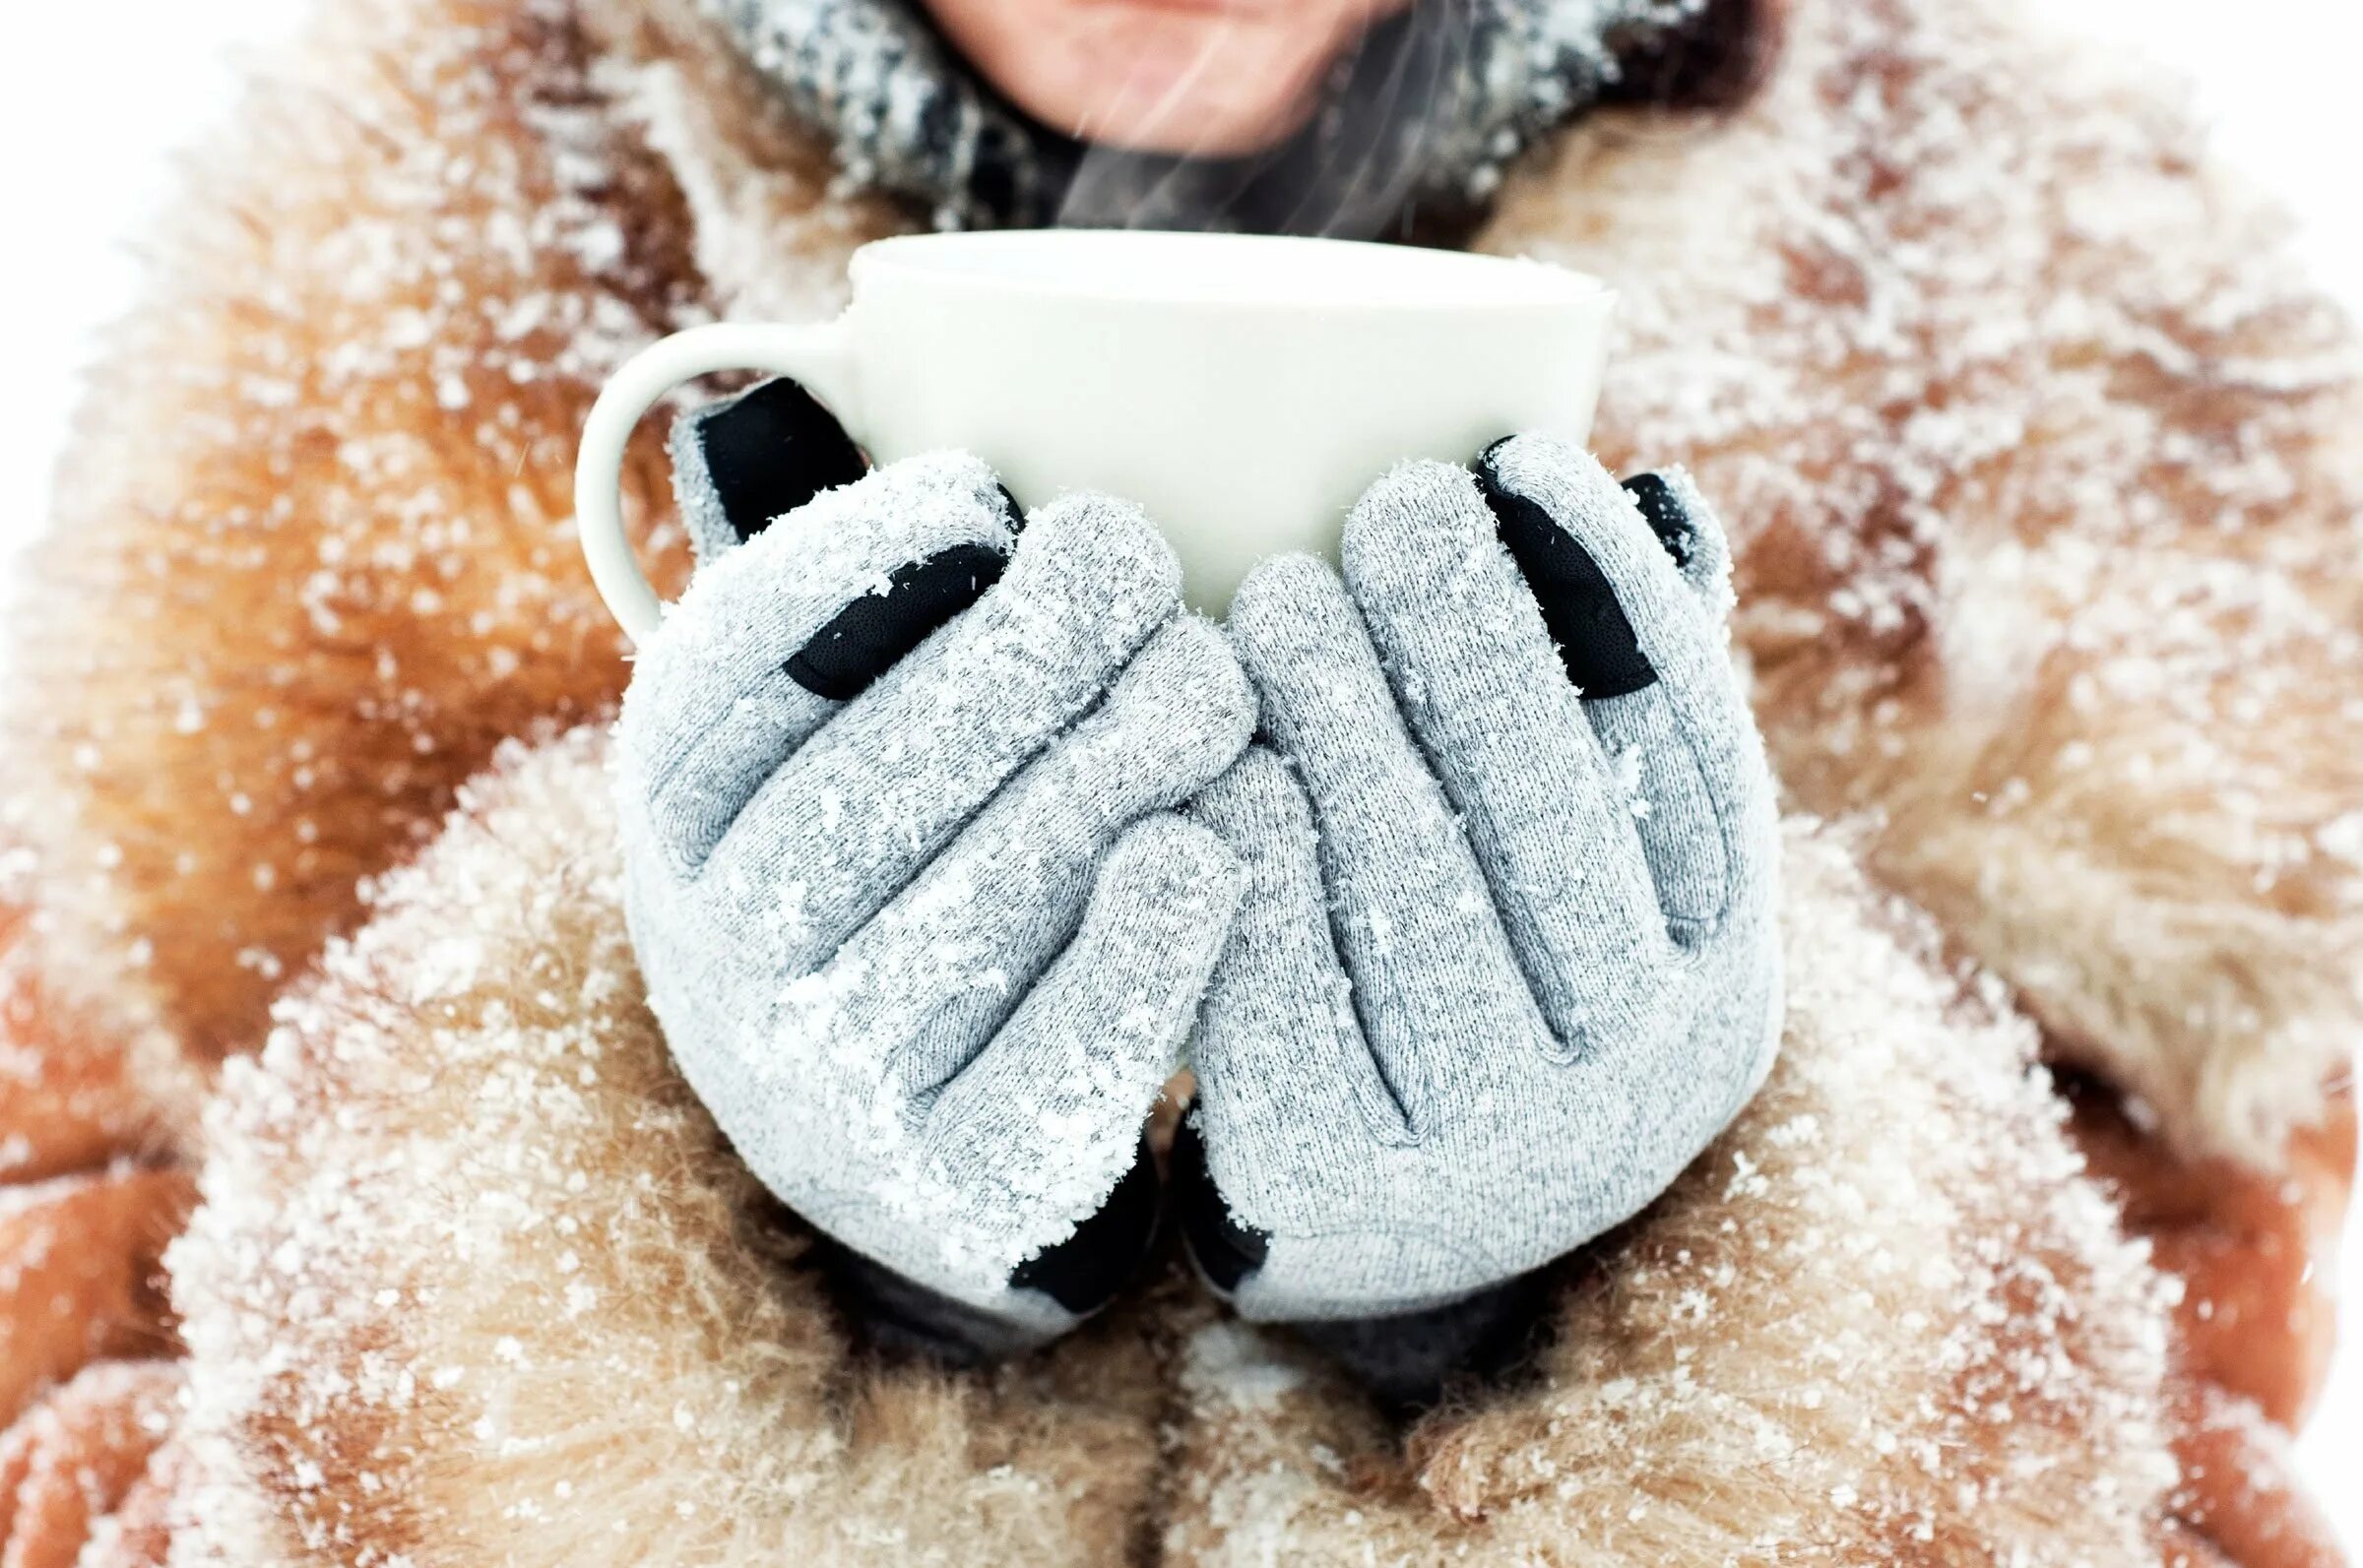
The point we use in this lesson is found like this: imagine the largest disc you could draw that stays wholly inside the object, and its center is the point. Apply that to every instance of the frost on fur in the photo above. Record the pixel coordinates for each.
(476, 1281)
(2041, 465)
(314, 554)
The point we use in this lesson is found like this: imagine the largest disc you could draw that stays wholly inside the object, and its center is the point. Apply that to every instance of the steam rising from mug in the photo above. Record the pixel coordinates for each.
(1410, 131)
(1353, 169)
(1415, 119)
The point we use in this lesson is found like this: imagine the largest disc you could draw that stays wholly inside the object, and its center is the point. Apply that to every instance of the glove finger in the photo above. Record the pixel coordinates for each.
(744, 463)
(1474, 673)
(1043, 1128)
(850, 818)
(1287, 1086)
(731, 684)
(945, 964)
(1443, 1003)
(1652, 666)
(1689, 533)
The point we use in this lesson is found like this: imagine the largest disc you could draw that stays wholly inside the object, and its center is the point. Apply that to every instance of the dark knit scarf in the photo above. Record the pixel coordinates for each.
(1415, 125)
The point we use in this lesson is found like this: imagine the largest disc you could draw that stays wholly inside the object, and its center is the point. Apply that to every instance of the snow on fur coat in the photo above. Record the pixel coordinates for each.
(2042, 477)
(476, 1281)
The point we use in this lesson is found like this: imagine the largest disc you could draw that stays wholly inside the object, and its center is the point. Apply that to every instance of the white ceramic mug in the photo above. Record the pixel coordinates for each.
(1243, 390)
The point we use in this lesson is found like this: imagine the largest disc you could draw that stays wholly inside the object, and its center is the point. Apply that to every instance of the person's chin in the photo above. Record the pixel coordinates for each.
(1203, 78)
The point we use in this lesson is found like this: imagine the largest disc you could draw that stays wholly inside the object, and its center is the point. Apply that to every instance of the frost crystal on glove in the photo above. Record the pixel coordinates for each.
(1506, 960)
(920, 926)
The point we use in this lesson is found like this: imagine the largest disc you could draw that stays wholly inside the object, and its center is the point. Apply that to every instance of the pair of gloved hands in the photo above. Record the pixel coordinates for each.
(944, 826)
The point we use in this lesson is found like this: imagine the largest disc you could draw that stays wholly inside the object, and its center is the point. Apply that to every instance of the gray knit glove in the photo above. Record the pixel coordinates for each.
(920, 926)
(1507, 962)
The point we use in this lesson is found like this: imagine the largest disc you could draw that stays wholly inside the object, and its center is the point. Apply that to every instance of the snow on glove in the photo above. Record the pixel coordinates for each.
(918, 918)
(1507, 962)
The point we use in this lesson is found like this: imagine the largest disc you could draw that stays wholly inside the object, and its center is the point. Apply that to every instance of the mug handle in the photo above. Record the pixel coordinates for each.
(819, 357)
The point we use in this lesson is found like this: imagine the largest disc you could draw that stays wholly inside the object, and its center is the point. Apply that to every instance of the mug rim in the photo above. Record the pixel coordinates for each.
(1518, 282)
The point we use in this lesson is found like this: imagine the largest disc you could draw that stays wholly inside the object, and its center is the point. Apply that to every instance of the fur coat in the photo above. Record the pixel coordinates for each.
(2041, 472)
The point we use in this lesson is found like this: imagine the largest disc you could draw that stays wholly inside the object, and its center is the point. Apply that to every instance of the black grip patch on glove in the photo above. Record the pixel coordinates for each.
(1666, 517)
(1596, 643)
(904, 1318)
(1226, 1251)
(868, 637)
(770, 450)
(1412, 1362)
(1083, 1273)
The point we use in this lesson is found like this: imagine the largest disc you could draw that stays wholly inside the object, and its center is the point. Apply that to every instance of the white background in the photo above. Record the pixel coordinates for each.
(96, 99)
